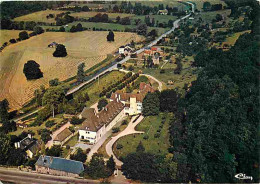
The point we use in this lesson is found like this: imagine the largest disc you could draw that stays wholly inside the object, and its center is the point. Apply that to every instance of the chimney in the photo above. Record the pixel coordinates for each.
(119, 96)
(51, 159)
(30, 136)
(105, 108)
(95, 112)
(116, 95)
(15, 145)
(18, 144)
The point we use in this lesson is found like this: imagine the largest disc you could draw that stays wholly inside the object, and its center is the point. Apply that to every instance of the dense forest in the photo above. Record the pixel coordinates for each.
(216, 133)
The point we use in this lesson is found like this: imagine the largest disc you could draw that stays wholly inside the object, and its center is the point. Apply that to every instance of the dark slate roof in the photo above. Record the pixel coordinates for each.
(61, 164)
(63, 135)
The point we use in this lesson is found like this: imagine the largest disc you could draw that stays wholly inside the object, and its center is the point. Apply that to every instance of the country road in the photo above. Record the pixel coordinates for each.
(175, 25)
(16, 176)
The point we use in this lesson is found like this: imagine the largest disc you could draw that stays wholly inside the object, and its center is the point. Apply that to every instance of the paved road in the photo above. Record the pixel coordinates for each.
(130, 129)
(175, 25)
(53, 136)
(26, 115)
(16, 176)
(156, 80)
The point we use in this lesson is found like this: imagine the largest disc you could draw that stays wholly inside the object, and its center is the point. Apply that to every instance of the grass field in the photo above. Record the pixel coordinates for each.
(208, 16)
(149, 125)
(160, 18)
(96, 87)
(39, 16)
(6, 35)
(87, 46)
(73, 141)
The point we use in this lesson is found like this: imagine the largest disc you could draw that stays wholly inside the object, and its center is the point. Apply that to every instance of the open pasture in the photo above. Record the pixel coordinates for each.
(88, 47)
(39, 16)
(93, 13)
(6, 35)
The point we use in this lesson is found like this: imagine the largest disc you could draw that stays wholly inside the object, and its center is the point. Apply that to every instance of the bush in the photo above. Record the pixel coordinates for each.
(67, 147)
(76, 121)
(115, 129)
(162, 71)
(124, 122)
(23, 35)
(12, 41)
(146, 137)
(50, 123)
(157, 135)
(119, 146)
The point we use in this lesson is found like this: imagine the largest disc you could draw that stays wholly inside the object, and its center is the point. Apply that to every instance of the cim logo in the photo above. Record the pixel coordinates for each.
(242, 176)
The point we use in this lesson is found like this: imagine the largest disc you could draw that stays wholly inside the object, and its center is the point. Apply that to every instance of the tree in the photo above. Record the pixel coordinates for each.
(140, 147)
(168, 100)
(4, 106)
(45, 135)
(79, 156)
(23, 35)
(96, 167)
(76, 121)
(141, 29)
(110, 36)
(60, 51)
(53, 97)
(12, 41)
(219, 17)
(102, 103)
(80, 73)
(151, 104)
(38, 30)
(206, 6)
(111, 165)
(55, 151)
(54, 82)
(62, 29)
(5, 148)
(32, 70)
(79, 27)
(17, 157)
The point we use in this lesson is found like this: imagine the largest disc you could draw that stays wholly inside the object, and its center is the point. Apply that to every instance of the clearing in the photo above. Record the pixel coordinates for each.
(87, 46)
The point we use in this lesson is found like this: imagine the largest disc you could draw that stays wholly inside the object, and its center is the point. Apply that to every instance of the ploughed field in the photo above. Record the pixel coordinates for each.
(87, 46)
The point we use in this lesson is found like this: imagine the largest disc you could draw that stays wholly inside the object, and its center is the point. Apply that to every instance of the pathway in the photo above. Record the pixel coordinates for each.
(130, 129)
(50, 143)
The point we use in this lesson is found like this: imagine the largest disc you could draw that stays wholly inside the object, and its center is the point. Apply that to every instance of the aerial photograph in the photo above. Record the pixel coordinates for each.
(129, 91)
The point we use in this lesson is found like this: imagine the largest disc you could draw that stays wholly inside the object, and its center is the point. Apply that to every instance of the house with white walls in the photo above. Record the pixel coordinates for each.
(96, 124)
(133, 103)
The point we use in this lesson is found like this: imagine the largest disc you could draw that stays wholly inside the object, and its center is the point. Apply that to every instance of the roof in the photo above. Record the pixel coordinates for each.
(122, 46)
(63, 135)
(163, 11)
(61, 164)
(145, 88)
(29, 144)
(94, 121)
(154, 49)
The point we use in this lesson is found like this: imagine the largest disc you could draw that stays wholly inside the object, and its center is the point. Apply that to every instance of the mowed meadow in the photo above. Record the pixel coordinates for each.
(87, 46)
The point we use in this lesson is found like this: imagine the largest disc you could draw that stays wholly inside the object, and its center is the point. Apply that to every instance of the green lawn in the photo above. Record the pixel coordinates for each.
(96, 87)
(65, 152)
(73, 141)
(208, 16)
(149, 125)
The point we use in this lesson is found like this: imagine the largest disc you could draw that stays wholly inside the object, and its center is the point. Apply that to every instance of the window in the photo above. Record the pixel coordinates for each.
(82, 137)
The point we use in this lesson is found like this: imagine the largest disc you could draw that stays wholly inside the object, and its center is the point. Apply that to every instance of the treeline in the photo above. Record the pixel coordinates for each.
(215, 135)
(12, 9)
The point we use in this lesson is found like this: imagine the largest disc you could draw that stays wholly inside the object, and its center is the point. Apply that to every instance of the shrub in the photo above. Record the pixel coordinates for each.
(157, 135)
(162, 71)
(12, 41)
(146, 137)
(115, 129)
(23, 35)
(119, 146)
(76, 121)
(67, 147)
(50, 123)
(124, 122)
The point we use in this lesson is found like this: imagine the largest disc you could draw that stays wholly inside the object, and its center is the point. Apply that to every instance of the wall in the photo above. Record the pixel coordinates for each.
(88, 135)
(45, 170)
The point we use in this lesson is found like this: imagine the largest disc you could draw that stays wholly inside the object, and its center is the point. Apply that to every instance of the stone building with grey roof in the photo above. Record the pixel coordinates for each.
(58, 166)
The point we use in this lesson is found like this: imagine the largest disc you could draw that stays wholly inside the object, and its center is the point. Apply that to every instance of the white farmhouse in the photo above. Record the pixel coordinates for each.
(97, 124)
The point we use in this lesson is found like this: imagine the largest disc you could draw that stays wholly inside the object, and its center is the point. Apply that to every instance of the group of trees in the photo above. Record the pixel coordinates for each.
(60, 51)
(65, 18)
(219, 121)
(110, 36)
(127, 79)
(164, 101)
(99, 18)
(32, 70)
(7, 125)
(73, 28)
(207, 6)
(98, 168)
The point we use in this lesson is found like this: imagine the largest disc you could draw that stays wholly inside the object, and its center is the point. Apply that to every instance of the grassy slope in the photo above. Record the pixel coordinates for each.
(150, 126)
